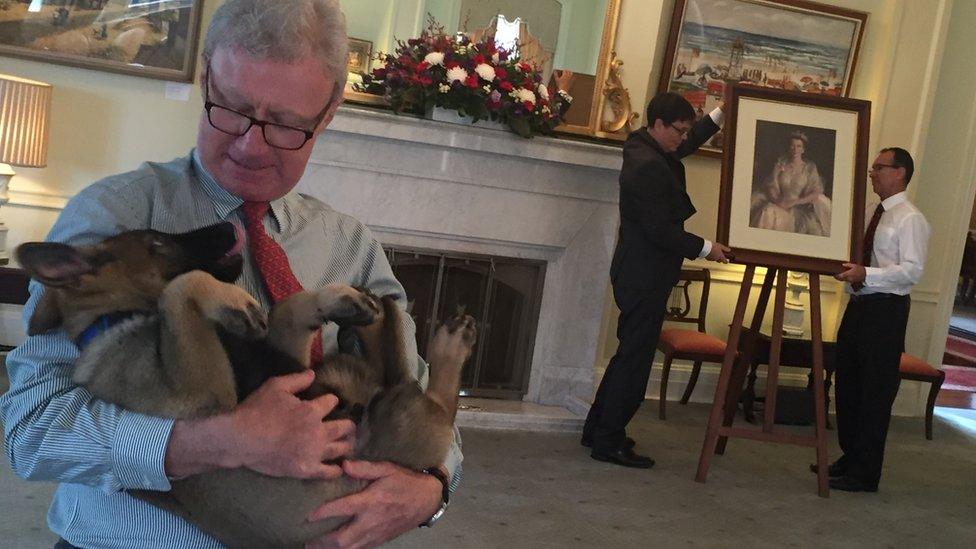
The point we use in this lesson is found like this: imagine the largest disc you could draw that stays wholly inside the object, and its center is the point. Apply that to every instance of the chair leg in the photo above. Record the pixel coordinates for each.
(665, 372)
(692, 380)
(930, 404)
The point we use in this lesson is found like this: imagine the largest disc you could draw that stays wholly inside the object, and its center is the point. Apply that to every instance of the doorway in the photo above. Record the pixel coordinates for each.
(959, 357)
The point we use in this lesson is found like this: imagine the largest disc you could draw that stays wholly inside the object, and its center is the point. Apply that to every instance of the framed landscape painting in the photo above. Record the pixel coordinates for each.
(151, 38)
(793, 179)
(792, 45)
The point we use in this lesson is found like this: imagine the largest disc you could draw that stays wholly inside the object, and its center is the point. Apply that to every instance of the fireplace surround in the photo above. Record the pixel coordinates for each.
(424, 185)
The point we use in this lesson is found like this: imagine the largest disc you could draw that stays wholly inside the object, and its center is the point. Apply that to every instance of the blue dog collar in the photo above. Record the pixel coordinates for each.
(100, 325)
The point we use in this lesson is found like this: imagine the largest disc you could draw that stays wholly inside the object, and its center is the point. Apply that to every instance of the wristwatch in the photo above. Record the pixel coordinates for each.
(445, 496)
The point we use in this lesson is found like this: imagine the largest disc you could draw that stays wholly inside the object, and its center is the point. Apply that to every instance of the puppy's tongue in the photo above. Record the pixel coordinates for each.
(239, 239)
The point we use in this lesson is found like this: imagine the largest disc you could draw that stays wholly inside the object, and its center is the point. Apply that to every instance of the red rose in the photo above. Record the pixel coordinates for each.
(422, 66)
(479, 59)
(452, 64)
(506, 85)
(501, 73)
(471, 81)
(528, 105)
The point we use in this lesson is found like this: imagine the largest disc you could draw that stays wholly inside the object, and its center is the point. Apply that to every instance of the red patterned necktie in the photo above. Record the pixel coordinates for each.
(869, 243)
(279, 280)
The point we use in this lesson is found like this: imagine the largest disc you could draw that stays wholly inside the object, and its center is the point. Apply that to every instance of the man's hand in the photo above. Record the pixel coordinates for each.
(855, 274)
(726, 96)
(272, 432)
(397, 500)
(283, 436)
(718, 253)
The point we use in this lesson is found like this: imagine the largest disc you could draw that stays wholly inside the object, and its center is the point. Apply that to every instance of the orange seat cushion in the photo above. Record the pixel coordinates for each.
(916, 366)
(692, 341)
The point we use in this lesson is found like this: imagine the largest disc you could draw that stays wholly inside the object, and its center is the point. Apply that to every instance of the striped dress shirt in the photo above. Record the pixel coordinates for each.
(56, 431)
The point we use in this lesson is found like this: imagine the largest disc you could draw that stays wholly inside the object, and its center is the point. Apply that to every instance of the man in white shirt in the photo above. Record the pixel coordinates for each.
(871, 337)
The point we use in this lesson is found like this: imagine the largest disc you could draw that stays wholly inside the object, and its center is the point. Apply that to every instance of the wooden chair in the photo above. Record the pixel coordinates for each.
(683, 343)
(916, 369)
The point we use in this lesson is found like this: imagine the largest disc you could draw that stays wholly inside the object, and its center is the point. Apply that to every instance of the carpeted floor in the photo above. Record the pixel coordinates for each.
(532, 490)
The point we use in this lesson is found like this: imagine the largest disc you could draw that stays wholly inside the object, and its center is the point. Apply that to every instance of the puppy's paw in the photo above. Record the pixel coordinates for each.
(248, 322)
(453, 342)
(235, 310)
(346, 305)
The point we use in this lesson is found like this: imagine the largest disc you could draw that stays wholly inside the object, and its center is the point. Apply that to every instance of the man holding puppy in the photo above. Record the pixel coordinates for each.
(272, 79)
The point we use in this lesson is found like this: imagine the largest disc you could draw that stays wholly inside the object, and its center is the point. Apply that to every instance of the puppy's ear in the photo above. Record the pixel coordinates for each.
(53, 264)
(47, 314)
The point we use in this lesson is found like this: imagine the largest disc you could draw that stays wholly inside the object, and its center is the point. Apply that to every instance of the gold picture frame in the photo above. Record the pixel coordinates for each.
(360, 53)
(153, 40)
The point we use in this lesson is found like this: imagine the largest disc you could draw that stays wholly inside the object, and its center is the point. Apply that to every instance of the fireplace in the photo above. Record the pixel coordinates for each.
(491, 204)
(502, 293)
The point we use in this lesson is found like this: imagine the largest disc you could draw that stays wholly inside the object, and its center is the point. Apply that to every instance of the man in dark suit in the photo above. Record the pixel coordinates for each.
(651, 246)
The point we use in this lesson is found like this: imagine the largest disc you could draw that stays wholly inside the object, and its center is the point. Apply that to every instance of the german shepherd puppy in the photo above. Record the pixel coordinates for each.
(183, 342)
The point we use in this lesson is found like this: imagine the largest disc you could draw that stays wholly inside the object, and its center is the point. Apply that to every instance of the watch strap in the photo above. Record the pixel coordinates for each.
(445, 495)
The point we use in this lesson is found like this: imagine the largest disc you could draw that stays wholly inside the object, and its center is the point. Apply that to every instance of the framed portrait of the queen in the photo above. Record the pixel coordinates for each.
(793, 178)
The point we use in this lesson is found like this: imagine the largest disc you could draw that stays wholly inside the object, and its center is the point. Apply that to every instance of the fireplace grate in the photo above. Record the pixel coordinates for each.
(504, 294)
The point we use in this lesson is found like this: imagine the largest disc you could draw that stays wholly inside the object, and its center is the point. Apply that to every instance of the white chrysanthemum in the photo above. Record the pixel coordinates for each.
(434, 58)
(525, 95)
(485, 71)
(543, 92)
(456, 74)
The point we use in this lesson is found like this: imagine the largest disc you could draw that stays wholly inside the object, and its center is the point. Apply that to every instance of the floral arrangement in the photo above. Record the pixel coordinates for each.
(479, 80)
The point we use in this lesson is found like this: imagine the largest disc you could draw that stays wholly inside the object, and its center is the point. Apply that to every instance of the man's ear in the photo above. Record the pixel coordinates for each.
(47, 314)
(53, 264)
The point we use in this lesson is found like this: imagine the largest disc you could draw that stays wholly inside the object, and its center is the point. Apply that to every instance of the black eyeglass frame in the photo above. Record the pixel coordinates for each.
(679, 130)
(208, 105)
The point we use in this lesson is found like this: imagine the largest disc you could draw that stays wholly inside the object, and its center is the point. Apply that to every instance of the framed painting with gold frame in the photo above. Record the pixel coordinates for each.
(793, 45)
(150, 39)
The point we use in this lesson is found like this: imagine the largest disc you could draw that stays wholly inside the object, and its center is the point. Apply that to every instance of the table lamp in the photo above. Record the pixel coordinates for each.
(25, 107)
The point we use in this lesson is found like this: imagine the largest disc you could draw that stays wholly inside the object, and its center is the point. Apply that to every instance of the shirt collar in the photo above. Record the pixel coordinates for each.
(223, 201)
(893, 200)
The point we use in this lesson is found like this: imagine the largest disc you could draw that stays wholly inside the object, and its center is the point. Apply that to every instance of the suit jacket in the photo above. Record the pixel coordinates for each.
(652, 242)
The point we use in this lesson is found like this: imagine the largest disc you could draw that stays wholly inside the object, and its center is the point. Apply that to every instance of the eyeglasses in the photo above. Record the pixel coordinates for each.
(878, 167)
(681, 131)
(237, 123)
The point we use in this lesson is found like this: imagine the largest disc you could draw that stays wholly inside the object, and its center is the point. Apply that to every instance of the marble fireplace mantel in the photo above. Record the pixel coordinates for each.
(423, 184)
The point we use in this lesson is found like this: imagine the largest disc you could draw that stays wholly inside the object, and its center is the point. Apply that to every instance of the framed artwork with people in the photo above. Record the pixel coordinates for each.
(793, 45)
(793, 178)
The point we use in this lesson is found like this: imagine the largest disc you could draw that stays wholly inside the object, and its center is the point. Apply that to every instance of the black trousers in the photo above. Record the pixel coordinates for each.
(870, 341)
(624, 384)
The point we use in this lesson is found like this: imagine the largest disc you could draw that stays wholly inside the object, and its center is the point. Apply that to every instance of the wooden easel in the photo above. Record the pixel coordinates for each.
(733, 373)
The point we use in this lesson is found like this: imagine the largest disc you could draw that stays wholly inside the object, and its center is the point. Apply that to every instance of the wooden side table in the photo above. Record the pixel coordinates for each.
(795, 352)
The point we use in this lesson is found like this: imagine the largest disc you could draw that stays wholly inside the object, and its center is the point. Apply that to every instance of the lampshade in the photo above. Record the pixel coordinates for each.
(25, 107)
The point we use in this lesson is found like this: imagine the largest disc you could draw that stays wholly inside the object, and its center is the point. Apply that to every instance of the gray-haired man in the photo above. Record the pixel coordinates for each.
(273, 76)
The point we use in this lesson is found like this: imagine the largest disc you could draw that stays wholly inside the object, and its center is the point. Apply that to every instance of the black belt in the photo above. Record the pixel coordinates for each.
(859, 298)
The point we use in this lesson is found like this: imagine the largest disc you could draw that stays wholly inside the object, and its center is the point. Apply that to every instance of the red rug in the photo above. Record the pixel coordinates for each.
(959, 351)
(959, 378)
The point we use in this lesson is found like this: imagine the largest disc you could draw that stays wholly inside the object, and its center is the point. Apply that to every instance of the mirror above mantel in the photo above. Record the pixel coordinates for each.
(575, 35)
